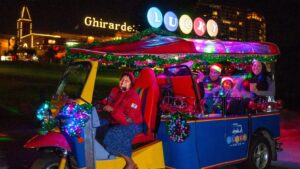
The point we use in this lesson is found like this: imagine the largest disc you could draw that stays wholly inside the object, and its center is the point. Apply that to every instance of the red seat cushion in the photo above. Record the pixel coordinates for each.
(142, 137)
(148, 91)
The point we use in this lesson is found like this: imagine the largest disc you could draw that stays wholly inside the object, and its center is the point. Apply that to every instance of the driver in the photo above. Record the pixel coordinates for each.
(125, 119)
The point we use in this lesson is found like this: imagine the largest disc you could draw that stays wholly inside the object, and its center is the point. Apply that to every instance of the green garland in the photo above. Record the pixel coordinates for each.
(160, 61)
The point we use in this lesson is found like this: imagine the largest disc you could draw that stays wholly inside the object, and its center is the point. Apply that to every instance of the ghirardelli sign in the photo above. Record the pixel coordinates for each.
(100, 23)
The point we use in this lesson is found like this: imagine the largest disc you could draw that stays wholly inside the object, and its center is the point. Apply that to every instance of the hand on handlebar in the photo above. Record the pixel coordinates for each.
(108, 108)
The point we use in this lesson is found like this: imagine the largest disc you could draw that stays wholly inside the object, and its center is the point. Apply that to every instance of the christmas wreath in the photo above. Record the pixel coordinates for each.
(178, 128)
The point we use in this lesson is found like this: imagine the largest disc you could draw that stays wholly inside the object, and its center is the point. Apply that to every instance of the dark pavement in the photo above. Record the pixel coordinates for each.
(14, 156)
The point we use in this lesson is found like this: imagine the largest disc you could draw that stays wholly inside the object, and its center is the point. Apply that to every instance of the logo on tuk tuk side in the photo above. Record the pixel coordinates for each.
(237, 136)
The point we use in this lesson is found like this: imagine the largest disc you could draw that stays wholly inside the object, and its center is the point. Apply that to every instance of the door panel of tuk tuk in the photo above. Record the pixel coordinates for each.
(205, 145)
(236, 138)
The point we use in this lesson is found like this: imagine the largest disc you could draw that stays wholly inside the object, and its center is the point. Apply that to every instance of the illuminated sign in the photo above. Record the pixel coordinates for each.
(154, 17)
(171, 21)
(199, 26)
(212, 28)
(99, 23)
(186, 24)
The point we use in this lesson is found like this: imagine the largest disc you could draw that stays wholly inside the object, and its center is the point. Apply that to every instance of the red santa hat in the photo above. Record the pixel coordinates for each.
(216, 66)
(227, 78)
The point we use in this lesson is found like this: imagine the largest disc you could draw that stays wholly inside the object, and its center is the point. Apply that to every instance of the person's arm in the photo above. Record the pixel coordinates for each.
(111, 97)
(270, 91)
(201, 89)
(216, 89)
(238, 84)
(129, 112)
(118, 115)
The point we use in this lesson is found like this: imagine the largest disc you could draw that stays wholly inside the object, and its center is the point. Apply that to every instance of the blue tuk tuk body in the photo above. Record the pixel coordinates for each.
(219, 141)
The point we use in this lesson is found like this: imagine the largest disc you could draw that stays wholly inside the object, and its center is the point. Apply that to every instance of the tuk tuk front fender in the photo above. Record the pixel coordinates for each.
(51, 139)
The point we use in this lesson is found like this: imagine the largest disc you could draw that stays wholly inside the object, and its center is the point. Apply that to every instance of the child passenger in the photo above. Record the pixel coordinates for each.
(236, 92)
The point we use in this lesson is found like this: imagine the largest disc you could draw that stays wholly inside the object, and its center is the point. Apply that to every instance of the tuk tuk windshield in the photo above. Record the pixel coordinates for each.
(73, 80)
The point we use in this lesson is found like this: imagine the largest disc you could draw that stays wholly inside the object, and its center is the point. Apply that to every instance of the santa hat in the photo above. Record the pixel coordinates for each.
(227, 78)
(216, 66)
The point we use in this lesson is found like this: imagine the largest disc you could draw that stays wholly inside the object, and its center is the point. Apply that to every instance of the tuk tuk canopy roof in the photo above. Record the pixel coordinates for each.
(161, 45)
(154, 45)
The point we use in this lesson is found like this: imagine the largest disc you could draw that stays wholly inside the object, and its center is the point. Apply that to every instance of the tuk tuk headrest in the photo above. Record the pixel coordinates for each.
(146, 78)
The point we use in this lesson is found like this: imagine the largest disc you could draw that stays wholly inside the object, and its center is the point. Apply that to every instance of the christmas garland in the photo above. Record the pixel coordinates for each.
(178, 128)
(71, 118)
(162, 60)
(44, 115)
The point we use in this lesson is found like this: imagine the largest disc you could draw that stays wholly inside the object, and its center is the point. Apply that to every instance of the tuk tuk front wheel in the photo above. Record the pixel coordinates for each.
(259, 156)
(46, 161)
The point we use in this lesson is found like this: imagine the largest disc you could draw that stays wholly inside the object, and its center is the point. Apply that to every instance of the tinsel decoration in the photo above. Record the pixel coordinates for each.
(44, 115)
(73, 117)
(47, 126)
(178, 128)
(43, 110)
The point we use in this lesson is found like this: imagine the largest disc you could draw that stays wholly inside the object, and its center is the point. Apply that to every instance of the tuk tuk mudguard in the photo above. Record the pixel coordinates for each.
(51, 139)
(57, 139)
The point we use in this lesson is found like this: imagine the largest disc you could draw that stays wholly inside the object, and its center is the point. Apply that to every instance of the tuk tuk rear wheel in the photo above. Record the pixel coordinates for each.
(46, 161)
(259, 156)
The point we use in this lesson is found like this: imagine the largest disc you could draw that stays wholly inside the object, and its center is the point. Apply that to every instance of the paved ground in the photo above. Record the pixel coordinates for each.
(14, 155)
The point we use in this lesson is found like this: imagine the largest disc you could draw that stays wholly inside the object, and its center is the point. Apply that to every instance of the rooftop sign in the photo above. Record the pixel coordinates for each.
(185, 23)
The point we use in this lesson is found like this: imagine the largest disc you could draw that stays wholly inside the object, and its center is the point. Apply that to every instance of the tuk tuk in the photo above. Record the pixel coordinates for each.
(180, 133)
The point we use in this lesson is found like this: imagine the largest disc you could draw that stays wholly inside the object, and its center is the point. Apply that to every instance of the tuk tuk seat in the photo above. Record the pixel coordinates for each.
(148, 90)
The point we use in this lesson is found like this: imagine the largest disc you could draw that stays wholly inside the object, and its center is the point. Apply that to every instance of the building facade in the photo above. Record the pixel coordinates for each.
(235, 23)
(7, 43)
(56, 42)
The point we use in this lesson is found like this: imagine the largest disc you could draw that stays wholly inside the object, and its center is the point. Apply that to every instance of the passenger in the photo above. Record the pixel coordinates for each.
(225, 90)
(261, 83)
(237, 96)
(214, 78)
(209, 83)
(124, 122)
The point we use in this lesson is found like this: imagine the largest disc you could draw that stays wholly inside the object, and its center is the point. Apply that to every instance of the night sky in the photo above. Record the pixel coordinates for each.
(283, 25)
(67, 15)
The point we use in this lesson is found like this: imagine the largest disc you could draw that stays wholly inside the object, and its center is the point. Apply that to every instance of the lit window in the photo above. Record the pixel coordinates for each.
(226, 21)
(51, 41)
(232, 29)
(232, 38)
(215, 13)
(241, 23)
